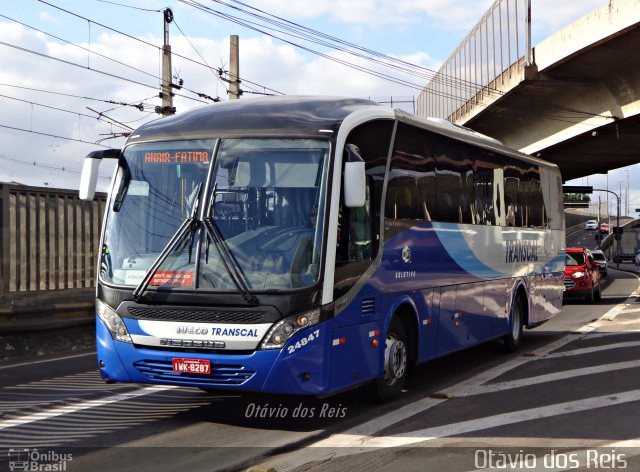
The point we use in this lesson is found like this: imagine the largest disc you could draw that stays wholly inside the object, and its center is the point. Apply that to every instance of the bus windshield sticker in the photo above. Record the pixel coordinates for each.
(139, 188)
(173, 278)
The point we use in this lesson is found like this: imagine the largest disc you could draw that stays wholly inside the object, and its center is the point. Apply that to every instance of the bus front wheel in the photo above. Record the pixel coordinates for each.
(396, 361)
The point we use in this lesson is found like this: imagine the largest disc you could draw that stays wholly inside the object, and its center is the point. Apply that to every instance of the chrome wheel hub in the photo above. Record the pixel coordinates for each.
(395, 359)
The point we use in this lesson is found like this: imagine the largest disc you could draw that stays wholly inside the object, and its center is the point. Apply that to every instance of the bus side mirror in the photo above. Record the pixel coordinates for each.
(90, 167)
(354, 178)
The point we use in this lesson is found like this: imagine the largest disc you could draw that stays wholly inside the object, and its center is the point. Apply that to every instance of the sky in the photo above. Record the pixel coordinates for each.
(75, 72)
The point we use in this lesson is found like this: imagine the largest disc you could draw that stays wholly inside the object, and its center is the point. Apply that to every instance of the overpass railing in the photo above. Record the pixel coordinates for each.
(48, 247)
(497, 47)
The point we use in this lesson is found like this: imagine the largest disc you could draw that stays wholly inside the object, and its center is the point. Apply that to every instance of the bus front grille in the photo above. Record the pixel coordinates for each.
(195, 316)
(221, 374)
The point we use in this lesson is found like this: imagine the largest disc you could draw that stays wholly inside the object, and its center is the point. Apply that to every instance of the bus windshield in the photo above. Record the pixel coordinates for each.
(262, 205)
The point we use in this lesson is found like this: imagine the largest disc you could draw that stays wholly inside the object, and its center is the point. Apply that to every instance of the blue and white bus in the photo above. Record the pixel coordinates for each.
(306, 245)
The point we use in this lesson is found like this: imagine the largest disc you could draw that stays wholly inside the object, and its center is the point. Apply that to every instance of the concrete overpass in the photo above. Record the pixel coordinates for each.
(574, 102)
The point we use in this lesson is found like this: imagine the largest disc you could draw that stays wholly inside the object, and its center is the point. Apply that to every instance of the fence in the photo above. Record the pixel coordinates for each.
(498, 45)
(48, 247)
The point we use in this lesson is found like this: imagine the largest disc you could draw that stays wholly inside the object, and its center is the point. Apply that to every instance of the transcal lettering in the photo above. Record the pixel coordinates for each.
(521, 251)
(242, 332)
(233, 332)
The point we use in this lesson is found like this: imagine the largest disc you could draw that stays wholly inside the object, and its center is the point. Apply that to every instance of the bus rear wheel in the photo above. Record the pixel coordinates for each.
(396, 362)
(514, 338)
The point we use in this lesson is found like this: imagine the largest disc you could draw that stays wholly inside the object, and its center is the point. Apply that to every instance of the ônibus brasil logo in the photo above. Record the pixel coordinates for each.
(34, 460)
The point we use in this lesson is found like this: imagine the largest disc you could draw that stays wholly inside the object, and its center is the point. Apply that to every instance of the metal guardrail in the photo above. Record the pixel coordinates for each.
(499, 44)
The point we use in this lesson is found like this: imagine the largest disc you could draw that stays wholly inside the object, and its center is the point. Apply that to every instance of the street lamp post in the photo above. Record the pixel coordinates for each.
(627, 207)
(617, 220)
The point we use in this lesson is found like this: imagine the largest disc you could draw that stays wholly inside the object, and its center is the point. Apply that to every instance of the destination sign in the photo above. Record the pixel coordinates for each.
(176, 157)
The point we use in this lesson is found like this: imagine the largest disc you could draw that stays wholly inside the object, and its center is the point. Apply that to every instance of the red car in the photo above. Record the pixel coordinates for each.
(581, 274)
(604, 228)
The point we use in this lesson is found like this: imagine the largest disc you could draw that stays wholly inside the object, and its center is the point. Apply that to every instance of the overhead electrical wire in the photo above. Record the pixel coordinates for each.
(103, 72)
(58, 109)
(428, 73)
(295, 27)
(174, 54)
(15, 160)
(324, 55)
(80, 47)
(214, 71)
(130, 6)
(140, 105)
(78, 140)
(301, 32)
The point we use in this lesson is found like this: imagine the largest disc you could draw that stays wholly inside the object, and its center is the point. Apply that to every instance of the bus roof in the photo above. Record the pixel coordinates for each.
(265, 116)
(301, 116)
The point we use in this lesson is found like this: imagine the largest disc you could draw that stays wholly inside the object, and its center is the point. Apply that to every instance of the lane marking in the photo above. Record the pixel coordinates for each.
(632, 310)
(63, 410)
(551, 377)
(42, 361)
(591, 350)
(355, 437)
(342, 445)
(478, 424)
(607, 334)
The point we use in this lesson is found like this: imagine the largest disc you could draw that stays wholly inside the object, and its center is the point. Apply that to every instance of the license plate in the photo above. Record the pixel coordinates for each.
(192, 366)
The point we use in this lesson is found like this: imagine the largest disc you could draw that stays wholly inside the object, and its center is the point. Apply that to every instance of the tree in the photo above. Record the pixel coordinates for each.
(576, 198)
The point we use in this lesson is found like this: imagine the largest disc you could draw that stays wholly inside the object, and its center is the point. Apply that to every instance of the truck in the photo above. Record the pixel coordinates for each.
(629, 246)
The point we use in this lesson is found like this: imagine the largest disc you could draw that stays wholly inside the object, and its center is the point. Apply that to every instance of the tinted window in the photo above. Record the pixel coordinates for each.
(359, 228)
(434, 177)
(575, 258)
(411, 188)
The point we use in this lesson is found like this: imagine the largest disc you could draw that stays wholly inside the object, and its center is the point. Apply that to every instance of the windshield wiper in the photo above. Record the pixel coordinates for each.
(238, 277)
(188, 226)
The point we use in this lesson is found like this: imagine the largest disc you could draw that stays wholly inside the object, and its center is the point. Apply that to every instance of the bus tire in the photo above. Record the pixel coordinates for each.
(513, 340)
(396, 362)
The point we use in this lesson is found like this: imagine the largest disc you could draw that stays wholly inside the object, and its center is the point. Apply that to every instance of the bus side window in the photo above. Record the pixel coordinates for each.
(354, 237)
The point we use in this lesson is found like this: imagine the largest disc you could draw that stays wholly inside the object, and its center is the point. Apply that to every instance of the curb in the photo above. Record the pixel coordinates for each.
(31, 318)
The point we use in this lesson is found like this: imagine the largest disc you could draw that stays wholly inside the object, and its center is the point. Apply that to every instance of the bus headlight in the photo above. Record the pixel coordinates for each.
(280, 333)
(113, 322)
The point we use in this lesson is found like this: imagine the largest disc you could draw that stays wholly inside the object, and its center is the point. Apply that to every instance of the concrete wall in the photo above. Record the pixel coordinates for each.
(48, 252)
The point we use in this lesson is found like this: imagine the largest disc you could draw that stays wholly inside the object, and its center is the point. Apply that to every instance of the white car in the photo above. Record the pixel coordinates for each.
(601, 261)
(591, 224)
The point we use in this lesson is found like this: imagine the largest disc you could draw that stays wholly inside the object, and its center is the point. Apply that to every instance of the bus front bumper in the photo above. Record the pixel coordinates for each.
(295, 369)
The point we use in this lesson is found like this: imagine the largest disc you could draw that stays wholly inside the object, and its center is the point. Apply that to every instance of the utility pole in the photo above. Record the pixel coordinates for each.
(616, 236)
(627, 207)
(234, 67)
(166, 92)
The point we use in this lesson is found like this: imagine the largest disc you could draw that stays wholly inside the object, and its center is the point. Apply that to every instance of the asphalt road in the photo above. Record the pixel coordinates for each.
(582, 238)
(574, 389)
